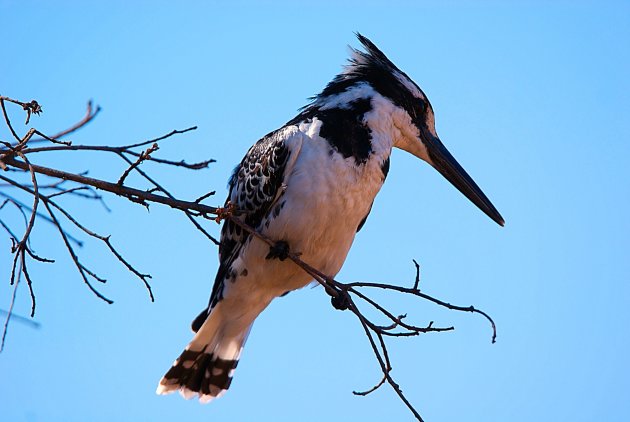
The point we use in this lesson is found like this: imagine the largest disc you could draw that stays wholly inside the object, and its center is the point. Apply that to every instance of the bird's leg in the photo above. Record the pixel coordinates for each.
(279, 250)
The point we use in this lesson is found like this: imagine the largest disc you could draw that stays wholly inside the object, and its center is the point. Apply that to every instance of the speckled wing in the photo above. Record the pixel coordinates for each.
(255, 186)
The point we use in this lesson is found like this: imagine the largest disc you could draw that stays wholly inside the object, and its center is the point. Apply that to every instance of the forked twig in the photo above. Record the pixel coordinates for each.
(15, 156)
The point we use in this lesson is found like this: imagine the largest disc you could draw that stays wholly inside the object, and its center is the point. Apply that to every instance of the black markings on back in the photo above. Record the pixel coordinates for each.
(345, 130)
(259, 178)
(254, 186)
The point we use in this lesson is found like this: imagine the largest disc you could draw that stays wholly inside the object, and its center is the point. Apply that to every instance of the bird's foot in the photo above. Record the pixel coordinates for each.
(279, 250)
(225, 212)
(341, 301)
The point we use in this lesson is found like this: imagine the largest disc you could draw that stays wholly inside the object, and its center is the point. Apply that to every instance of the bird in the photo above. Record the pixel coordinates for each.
(310, 186)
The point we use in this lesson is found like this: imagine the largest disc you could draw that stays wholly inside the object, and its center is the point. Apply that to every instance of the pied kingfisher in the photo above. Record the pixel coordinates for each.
(309, 185)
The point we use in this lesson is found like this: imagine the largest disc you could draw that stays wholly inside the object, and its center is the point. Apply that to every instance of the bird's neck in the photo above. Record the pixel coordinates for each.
(358, 122)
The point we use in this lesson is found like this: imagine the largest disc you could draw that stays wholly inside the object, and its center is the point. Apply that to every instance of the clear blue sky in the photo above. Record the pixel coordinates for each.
(533, 99)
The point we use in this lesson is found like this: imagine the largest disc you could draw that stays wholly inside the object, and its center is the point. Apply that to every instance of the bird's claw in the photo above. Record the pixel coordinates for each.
(341, 301)
(225, 212)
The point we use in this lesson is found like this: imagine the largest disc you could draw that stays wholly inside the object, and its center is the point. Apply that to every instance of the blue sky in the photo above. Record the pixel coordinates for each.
(532, 99)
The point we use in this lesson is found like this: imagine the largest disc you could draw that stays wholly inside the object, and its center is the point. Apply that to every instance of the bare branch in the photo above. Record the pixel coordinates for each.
(14, 158)
(21, 206)
(9, 314)
(73, 255)
(140, 275)
(144, 155)
(7, 120)
(90, 114)
(344, 296)
(160, 138)
(416, 285)
(205, 196)
(189, 214)
(130, 193)
(416, 292)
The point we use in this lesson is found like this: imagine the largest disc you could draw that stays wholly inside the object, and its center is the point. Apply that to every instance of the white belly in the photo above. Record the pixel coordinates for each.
(326, 198)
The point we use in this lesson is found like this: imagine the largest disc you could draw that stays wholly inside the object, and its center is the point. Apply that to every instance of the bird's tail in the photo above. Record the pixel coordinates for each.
(206, 366)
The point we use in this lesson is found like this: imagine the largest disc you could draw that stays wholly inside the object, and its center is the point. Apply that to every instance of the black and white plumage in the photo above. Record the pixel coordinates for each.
(310, 184)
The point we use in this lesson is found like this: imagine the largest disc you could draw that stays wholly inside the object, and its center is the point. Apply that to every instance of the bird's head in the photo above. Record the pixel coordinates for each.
(401, 110)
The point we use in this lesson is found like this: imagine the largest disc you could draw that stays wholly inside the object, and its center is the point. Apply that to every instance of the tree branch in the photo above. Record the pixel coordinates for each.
(14, 156)
(132, 194)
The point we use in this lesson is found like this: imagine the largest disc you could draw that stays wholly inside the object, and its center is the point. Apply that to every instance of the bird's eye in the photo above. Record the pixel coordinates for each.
(419, 109)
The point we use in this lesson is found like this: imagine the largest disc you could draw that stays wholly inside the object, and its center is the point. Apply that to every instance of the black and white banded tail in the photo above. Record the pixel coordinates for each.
(205, 368)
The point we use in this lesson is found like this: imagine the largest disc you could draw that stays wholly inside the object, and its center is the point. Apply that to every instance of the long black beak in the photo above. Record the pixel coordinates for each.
(446, 164)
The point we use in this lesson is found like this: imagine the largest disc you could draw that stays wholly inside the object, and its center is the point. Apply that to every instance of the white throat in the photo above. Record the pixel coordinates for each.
(391, 126)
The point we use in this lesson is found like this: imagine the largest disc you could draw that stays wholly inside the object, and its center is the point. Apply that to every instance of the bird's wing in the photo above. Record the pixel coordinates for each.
(255, 186)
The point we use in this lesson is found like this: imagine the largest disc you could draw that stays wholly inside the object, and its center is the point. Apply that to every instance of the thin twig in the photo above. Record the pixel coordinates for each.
(26, 207)
(73, 255)
(6, 116)
(417, 282)
(159, 187)
(90, 114)
(10, 313)
(22, 245)
(160, 138)
(144, 155)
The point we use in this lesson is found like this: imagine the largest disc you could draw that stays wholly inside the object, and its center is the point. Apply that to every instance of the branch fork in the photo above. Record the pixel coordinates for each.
(14, 156)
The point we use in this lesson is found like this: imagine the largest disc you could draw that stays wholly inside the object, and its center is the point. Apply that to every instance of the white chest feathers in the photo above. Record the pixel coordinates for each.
(325, 200)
